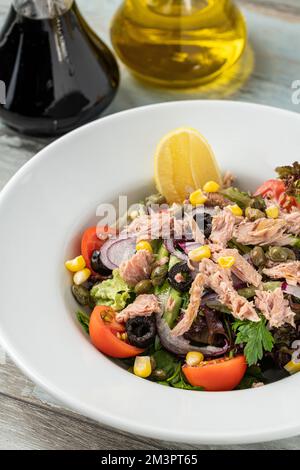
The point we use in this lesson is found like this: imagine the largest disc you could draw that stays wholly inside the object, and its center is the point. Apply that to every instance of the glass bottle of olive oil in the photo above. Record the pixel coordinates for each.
(178, 43)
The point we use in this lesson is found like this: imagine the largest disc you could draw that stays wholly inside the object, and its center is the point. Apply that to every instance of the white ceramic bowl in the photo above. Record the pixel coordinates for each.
(43, 210)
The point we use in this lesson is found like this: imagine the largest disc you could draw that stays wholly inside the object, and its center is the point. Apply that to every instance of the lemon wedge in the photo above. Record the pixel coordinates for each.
(184, 162)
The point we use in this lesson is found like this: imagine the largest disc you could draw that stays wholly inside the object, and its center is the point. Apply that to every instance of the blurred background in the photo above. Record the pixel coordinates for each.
(274, 62)
(265, 73)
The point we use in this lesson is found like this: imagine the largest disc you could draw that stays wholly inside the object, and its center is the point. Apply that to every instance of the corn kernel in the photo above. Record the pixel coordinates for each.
(292, 367)
(144, 245)
(142, 366)
(197, 198)
(76, 264)
(133, 215)
(199, 253)
(81, 276)
(226, 261)
(122, 336)
(193, 358)
(211, 187)
(272, 212)
(236, 210)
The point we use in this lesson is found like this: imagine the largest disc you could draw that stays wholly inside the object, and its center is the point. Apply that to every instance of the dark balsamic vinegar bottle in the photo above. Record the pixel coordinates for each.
(57, 73)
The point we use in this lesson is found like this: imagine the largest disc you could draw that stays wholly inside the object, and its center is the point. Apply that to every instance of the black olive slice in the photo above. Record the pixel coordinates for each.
(204, 222)
(180, 277)
(97, 264)
(141, 331)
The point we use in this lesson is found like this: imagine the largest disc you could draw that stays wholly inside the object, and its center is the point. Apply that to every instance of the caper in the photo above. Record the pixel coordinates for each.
(258, 256)
(159, 374)
(81, 294)
(144, 287)
(278, 253)
(153, 363)
(258, 202)
(291, 254)
(155, 199)
(158, 275)
(247, 292)
(254, 214)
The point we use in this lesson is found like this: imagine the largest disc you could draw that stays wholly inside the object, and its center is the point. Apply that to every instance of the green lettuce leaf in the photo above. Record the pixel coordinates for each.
(113, 292)
(252, 376)
(290, 175)
(84, 320)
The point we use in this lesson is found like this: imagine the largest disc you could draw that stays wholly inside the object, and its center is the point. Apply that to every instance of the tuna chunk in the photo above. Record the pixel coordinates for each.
(151, 227)
(241, 268)
(228, 179)
(144, 305)
(137, 268)
(293, 221)
(262, 232)
(241, 307)
(218, 279)
(165, 225)
(222, 227)
(197, 234)
(191, 312)
(216, 200)
(289, 271)
(274, 307)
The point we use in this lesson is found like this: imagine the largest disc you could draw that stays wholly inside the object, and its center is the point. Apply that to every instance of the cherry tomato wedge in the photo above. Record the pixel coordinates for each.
(275, 189)
(217, 375)
(90, 242)
(271, 189)
(103, 332)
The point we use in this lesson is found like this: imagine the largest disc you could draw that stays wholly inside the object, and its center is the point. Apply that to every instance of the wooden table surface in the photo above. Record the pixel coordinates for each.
(29, 417)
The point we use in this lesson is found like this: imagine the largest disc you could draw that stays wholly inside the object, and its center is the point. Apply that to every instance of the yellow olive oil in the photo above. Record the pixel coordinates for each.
(178, 43)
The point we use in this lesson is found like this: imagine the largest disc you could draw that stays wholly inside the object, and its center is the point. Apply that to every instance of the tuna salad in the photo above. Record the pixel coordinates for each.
(200, 295)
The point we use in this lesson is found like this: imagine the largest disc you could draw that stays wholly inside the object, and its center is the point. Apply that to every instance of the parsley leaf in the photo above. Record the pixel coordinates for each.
(84, 320)
(256, 337)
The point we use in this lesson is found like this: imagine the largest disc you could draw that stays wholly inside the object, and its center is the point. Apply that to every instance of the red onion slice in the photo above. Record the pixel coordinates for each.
(181, 346)
(117, 250)
(189, 246)
(237, 283)
(210, 297)
(248, 258)
(291, 290)
(296, 354)
(169, 244)
(296, 344)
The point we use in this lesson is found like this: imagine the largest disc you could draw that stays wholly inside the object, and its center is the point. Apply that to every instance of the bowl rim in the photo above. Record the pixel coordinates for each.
(251, 436)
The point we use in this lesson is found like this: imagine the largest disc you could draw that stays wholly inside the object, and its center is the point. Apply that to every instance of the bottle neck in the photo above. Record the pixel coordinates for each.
(42, 9)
